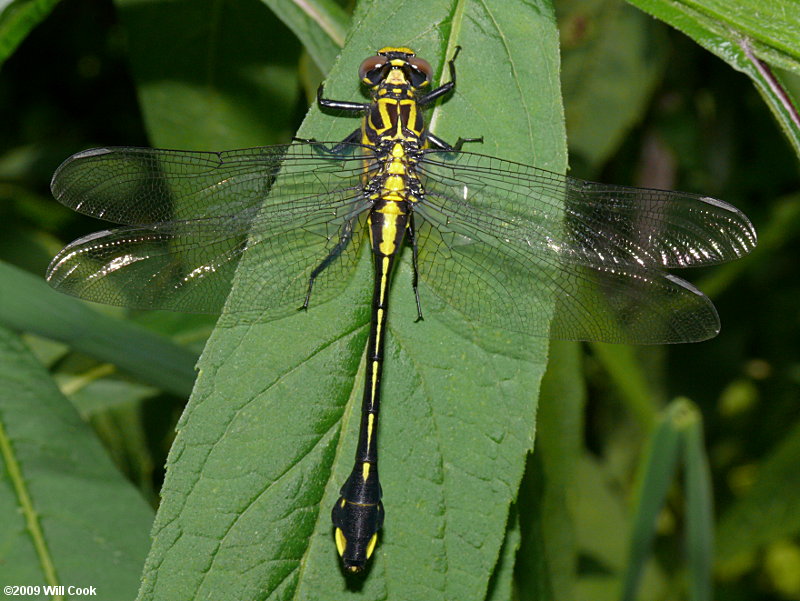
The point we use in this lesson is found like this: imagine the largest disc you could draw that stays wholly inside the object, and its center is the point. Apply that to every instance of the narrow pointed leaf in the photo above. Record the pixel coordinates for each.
(17, 19)
(27, 304)
(211, 73)
(269, 434)
(699, 509)
(607, 85)
(750, 36)
(657, 474)
(548, 558)
(321, 25)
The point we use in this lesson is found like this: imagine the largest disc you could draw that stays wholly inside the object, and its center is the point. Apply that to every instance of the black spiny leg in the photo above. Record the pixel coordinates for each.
(340, 105)
(444, 88)
(437, 142)
(336, 251)
(412, 238)
(338, 150)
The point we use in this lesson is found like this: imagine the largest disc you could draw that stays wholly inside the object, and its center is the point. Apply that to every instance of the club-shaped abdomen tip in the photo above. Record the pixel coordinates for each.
(355, 561)
(356, 529)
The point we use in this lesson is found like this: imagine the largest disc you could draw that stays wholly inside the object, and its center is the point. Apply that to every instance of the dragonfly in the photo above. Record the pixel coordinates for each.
(506, 245)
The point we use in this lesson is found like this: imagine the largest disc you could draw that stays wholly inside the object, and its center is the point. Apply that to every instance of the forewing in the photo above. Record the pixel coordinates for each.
(657, 228)
(288, 225)
(523, 249)
(144, 186)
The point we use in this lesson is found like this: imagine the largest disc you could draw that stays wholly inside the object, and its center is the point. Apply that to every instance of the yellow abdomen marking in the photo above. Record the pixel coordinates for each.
(371, 545)
(387, 245)
(396, 168)
(380, 323)
(341, 541)
(374, 380)
(394, 183)
(383, 282)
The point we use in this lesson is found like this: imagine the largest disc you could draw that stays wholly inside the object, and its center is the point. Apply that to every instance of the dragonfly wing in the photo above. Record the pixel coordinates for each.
(189, 265)
(658, 228)
(142, 186)
(521, 250)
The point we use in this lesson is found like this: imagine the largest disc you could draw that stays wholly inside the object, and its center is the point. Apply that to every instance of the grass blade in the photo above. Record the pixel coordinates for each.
(27, 304)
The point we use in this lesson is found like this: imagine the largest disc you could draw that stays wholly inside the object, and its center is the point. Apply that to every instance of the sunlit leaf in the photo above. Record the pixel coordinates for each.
(269, 434)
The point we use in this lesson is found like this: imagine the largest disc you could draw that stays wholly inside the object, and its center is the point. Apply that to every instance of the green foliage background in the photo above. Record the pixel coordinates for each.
(631, 444)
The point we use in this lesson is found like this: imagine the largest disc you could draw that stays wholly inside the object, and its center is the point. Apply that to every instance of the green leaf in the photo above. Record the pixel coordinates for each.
(502, 580)
(768, 512)
(699, 508)
(606, 84)
(118, 413)
(68, 517)
(269, 434)
(211, 74)
(321, 25)
(627, 372)
(601, 530)
(27, 304)
(547, 562)
(17, 19)
(677, 437)
(657, 475)
(749, 35)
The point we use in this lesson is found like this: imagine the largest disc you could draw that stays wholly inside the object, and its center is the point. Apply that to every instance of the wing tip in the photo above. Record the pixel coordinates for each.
(749, 238)
(704, 323)
(78, 156)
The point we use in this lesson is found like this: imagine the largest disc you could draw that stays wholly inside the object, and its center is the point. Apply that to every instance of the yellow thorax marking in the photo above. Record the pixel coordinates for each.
(384, 110)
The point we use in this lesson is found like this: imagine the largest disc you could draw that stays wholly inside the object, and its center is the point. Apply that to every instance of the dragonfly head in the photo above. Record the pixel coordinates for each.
(395, 66)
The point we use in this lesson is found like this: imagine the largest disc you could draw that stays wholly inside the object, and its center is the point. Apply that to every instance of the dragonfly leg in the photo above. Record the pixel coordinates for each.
(335, 252)
(338, 150)
(412, 237)
(444, 88)
(437, 142)
(340, 105)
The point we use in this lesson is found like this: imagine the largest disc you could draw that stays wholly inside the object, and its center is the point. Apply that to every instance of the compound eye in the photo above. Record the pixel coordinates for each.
(421, 72)
(369, 71)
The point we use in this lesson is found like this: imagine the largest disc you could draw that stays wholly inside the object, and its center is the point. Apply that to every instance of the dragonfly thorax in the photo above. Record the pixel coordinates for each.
(395, 179)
